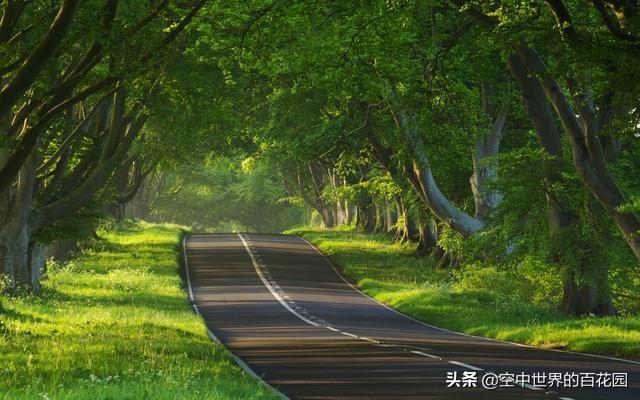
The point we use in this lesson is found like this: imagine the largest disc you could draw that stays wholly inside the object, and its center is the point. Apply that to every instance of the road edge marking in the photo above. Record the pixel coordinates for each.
(268, 285)
(243, 365)
(465, 365)
(277, 296)
(450, 331)
(250, 250)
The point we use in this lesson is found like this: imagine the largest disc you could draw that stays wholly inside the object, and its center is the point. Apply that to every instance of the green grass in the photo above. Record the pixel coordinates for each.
(391, 273)
(116, 324)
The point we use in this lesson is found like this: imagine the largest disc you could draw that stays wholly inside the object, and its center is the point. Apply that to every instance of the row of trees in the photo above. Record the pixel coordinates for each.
(483, 130)
(80, 80)
(492, 131)
(222, 194)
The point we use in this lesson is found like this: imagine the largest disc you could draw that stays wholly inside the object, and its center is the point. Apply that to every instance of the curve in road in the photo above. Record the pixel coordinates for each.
(285, 312)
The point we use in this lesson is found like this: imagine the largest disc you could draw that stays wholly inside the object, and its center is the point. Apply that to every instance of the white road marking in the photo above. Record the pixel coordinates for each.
(284, 300)
(213, 337)
(186, 268)
(460, 364)
(426, 354)
(454, 332)
(268, 285)
(252, 251)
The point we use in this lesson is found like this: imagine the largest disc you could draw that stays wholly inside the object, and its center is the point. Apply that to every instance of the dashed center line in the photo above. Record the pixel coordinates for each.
(461, 364)
(290, 305)
(426, 354)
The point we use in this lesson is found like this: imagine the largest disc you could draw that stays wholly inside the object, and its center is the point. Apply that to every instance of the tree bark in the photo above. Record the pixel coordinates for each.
(592, 298)
(37, 59)
(588, 156)
(427, 239)
(485, 166)
(313, 197)
(15, 238)
(578, 298)
(388, 217)
(379, 218)
(427, 186)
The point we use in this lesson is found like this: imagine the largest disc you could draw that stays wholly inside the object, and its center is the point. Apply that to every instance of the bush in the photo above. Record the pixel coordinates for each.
(529, 281)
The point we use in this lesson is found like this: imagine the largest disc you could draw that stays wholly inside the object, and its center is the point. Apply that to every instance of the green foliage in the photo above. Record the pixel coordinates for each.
(478, 299)
(80, 226)
(228, 194)
(519, 244)
(115, 323)
(265, 116)
(531, 281)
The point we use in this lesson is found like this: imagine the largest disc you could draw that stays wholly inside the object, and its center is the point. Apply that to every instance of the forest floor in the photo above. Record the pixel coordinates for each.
(391, 273)
(115, 323)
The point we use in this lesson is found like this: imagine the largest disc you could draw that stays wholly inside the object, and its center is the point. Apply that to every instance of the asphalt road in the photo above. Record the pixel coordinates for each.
(281, 308)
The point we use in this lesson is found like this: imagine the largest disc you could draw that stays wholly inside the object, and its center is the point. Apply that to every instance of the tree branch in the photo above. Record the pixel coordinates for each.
(173, 34)
(613, 24)
(35, 62)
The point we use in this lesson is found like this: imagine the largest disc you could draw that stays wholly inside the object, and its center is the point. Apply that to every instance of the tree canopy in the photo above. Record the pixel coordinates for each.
(492, 131)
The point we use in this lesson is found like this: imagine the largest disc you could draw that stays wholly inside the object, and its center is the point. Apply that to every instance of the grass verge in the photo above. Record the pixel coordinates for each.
(391, 273)
(116, 324)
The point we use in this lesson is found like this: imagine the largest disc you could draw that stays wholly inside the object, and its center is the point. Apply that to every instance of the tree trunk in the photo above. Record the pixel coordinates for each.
(13, 249)
(402, 223)
(425, 184)
(346, 212)
(38, 57)
(420, 176)
(412, 226)
(36, 265)
(22, 260)
(577, 299)
(587, 298)
(407, 230)
(388, 218)
(379, 214)
(327, 217)
(340, 213)
(485, 166)
(15, 235)
(427, 239)
(587, 152)
(369, 218)
(439, 251)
